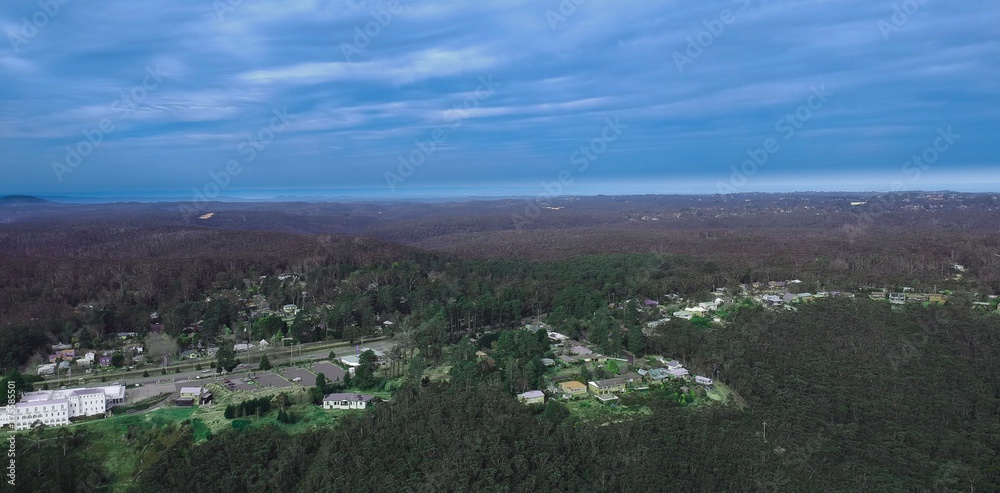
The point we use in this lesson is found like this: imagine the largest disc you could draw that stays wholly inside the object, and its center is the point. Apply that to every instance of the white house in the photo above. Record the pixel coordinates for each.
(532, 397)
(703, 380)
(346, 401)
(56, 407)
(48, 369)
(684, 314)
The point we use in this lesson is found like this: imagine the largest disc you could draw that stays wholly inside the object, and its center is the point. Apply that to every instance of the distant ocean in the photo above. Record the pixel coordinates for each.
(460, 192)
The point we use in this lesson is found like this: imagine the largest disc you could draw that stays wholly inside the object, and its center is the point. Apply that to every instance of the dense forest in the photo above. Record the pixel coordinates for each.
(857, 396)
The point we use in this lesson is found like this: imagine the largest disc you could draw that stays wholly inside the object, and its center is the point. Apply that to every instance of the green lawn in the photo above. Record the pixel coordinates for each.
(592, 410)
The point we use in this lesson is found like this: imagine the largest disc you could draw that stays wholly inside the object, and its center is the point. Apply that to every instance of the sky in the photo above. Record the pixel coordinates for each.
(241, 98)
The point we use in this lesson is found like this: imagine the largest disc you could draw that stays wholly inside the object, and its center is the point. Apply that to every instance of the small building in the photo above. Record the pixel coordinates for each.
(573, 388)
(347, 401)
(48, 369)
(557, 338)
(684, 315)
(607, 398)
(532, 397)
(607, 386)
(680, 372)
(193, 396)
(548, 361)
(658, 374)
(581, 350)
(700, 380)
(897, 298)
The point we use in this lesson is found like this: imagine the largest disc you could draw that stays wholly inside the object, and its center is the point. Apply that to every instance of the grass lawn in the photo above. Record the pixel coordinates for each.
(592, 410)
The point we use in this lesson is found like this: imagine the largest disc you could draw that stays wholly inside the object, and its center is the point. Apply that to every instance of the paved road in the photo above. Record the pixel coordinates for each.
(157, 383)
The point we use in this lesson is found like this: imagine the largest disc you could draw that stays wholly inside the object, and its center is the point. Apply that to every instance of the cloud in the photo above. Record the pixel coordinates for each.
(225, 71)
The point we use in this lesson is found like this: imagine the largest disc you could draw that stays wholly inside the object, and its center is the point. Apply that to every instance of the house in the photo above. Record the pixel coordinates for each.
(58, 407)
(346, 401)
(66, 354)
(573, 388)
(877, 296)
(897, 298)
(193, 396)
(548, 361)
(60, 347)
(87, 360)
(48, 369)
(937, 298)
(557, 338)
(264, 344)
(658, 374)
(608, 386)
(678, 372)
(532, 397)
(773, 300)
(650, 303)
(631, 377)
(673, 364)
(242, 347)
(684, 314)
(700, 380)
(581, 350)
(105, 360)
(710, 305)
(189, 354)
(290, 309)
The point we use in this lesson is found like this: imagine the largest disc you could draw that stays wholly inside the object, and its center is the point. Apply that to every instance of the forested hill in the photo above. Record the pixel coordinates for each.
(857, 396)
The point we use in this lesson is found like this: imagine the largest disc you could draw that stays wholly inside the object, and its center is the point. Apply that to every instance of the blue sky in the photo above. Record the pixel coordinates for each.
(570, 97)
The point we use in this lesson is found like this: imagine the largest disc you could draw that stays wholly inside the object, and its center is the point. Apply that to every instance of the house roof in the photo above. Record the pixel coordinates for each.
(350, 397)
(610, 382)
(581, 350)
(532, 394)
(572, 385)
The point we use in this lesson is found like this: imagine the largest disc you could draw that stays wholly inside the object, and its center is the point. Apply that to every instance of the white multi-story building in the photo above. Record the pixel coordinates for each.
(56, 407)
